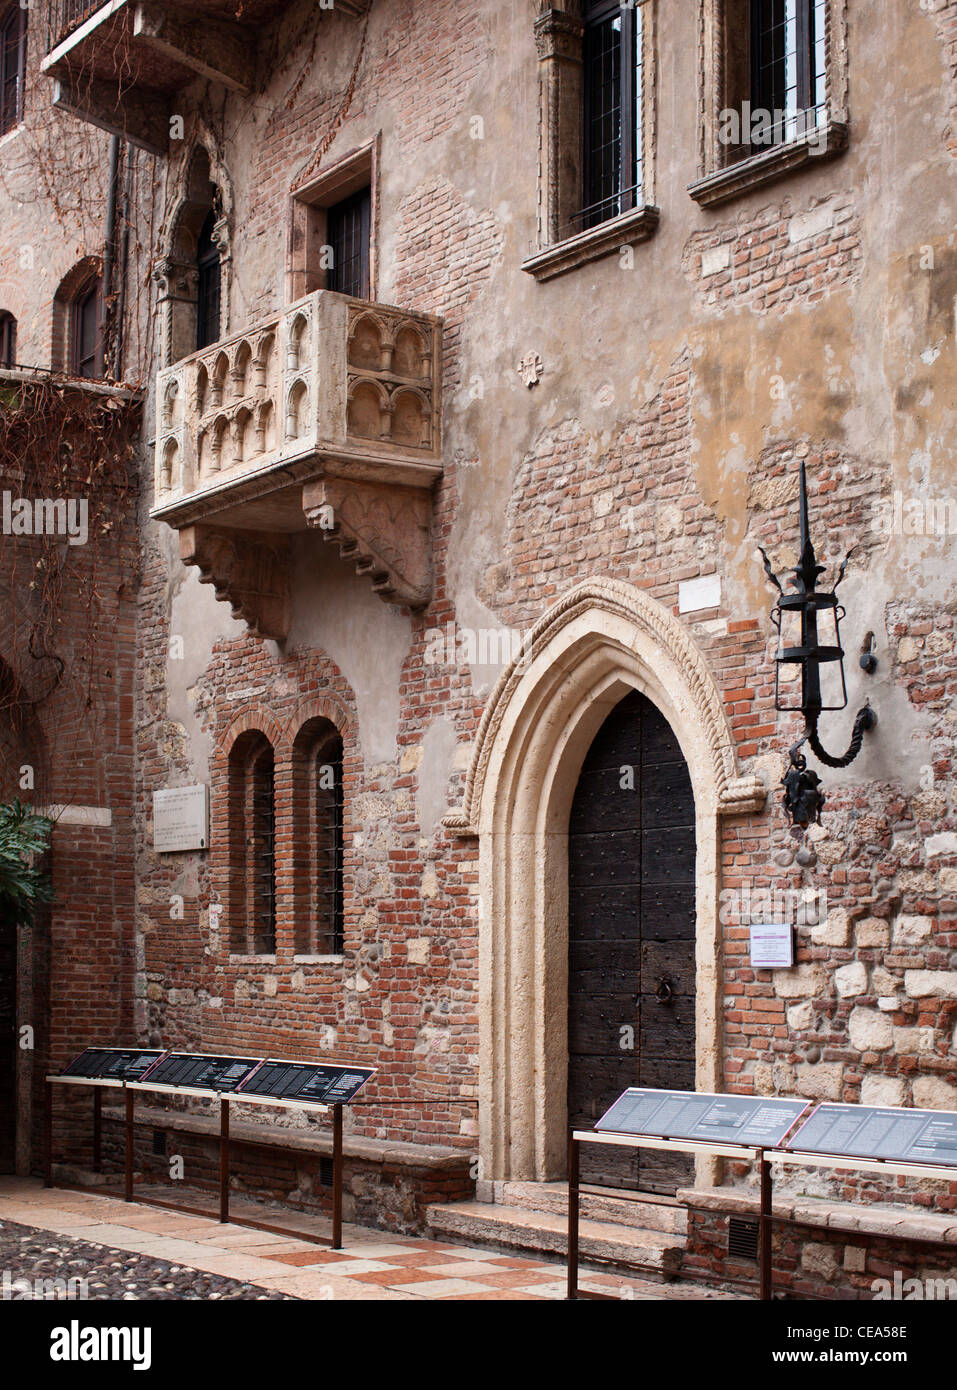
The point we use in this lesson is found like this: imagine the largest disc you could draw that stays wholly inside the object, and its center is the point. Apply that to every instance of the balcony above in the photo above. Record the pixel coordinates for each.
(116, 65)
(323, 417)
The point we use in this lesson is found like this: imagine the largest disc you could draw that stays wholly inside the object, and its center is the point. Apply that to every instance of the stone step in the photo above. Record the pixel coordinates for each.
(602, 1244)
(553, 1196)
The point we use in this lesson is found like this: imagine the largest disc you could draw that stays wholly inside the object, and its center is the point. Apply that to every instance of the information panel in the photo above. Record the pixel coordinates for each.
(865, 1131)
(326, 1083)
(748, 1120)
(200, 1071)
(113, 1063)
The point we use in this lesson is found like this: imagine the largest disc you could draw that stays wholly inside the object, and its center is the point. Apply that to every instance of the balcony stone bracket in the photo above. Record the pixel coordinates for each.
(251, 572)
(141, 118)
(206, 46)
(386, 533)
(118, 68)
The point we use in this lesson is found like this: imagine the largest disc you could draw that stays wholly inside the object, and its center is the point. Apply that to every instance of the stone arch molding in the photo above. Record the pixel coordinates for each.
(582, 619)
(600, 640)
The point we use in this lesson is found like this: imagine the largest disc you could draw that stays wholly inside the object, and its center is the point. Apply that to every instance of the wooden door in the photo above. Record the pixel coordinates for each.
(631, 930)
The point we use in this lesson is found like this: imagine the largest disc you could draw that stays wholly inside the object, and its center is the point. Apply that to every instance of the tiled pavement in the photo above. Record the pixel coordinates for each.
(372, 1264)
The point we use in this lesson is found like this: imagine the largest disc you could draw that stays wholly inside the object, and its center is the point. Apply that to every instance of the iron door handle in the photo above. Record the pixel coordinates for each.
(665, 992)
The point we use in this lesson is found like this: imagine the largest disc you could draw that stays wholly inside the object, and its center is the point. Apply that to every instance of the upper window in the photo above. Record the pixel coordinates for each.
(87, 357)
(611, 112)
(596, 155)
(208, 286)
(8, 339)
(252, 845)
(771, 91)
(332, 229)
(347, 229)
(780, 77)
(13, 62)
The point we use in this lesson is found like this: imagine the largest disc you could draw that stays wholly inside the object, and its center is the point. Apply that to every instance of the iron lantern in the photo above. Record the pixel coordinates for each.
(810, 659)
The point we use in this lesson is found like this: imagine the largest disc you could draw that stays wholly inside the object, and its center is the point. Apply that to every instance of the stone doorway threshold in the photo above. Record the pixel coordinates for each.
(644, 1238)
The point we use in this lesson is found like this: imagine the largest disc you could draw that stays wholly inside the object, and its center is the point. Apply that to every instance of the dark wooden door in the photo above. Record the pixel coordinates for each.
(631, 930)
(8, 1041)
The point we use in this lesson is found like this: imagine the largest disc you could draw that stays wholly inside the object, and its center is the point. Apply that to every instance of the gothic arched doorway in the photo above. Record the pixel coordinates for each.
(631, 933)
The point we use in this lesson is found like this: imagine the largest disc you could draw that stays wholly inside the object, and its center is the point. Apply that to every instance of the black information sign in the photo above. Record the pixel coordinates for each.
(202, 1072)
(748, 1120)
(113, 1063)
(865, 1131)
(322, 1083)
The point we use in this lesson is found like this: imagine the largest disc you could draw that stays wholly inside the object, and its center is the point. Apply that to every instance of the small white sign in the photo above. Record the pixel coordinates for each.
(772, 945)
(697, 594)
(181, 819)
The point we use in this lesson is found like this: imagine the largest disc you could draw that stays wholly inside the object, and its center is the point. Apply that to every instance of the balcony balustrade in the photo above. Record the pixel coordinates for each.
(325, 416)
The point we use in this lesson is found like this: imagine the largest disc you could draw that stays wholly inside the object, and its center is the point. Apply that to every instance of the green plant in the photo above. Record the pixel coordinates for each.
(23, 884)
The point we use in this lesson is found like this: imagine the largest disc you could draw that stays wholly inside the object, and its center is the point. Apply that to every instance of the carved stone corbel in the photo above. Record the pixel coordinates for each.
(383, 530)
(247, 570)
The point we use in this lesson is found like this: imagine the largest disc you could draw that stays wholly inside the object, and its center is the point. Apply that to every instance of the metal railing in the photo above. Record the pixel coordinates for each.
(63, 16)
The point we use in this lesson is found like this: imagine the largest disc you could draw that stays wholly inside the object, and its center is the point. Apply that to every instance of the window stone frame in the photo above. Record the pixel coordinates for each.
(558, 40)
(719, 180)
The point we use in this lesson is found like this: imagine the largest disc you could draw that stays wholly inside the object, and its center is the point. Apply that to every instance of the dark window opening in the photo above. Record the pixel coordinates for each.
(348, 231)
(8, 340)
(13, 53)
(786, 71)
(209, 285)
(328, 842)
(611, 110)
(87, 356)
(262, 853)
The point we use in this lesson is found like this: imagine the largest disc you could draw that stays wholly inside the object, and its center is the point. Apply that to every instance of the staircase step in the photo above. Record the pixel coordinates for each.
(607, 1244)
(622, 1211)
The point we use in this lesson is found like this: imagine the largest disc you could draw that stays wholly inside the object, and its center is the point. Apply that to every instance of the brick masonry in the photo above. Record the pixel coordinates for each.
(660, 445)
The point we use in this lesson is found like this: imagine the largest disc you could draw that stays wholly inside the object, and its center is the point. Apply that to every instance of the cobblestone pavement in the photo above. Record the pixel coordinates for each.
(43, 1264)
(132, 1250)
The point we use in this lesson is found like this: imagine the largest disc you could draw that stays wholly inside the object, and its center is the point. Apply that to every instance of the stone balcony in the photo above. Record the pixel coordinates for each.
(323, 417)
(116, 65)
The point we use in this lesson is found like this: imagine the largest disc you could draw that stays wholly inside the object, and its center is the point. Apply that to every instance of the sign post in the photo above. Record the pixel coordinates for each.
(739, 1127)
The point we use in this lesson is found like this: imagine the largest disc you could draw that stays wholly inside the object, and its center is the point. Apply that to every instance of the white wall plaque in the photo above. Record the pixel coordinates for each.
(772, 945)
(696, 594)
(181, 819)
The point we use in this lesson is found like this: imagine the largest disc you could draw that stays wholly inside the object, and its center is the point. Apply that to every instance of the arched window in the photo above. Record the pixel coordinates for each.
(87, 331)
(252, 845)
(8, 339)
(13, 54)
(319, 841)
(208, 284)
(193, 274)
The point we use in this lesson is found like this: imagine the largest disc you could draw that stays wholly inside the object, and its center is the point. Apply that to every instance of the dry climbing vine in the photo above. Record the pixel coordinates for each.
(60, 440)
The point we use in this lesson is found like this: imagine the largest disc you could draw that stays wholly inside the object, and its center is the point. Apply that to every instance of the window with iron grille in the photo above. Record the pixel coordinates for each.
(251, 845)
(87, 355)
(787, 53)
(328, 846)
(348, 230)
(318, 837)
(209, 283)
(13, 62)
(8, 339)
(611, 112)
(261, 852)
(774, 66)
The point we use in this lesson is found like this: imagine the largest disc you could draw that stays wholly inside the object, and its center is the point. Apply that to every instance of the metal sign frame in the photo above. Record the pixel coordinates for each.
(130, 1088)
